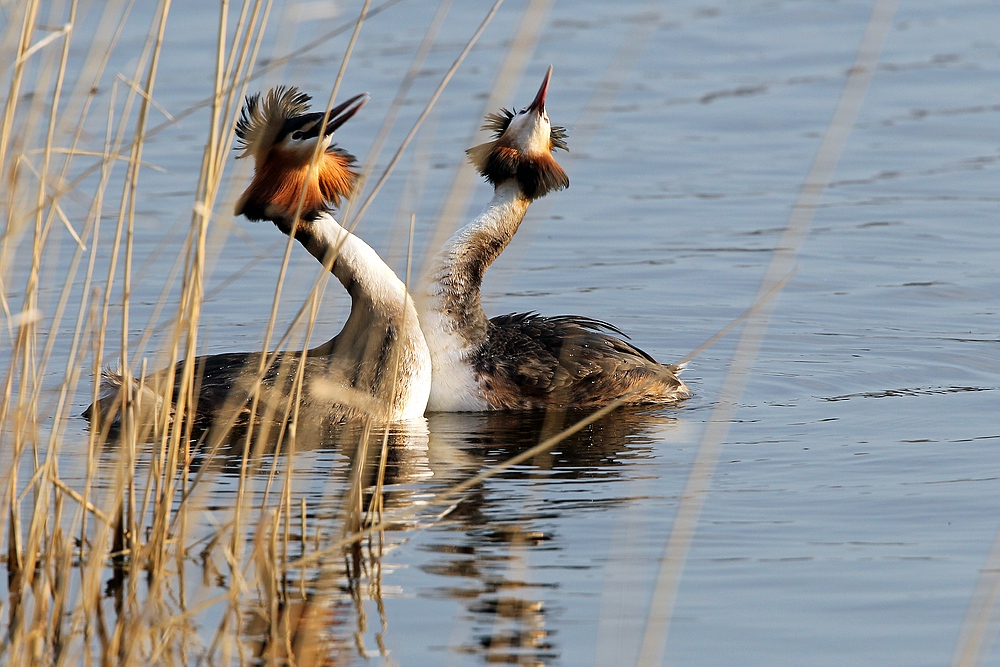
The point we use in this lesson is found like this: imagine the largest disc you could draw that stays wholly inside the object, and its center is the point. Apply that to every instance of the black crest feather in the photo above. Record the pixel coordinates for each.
(558, 137)
(498, 122)
(261, 121)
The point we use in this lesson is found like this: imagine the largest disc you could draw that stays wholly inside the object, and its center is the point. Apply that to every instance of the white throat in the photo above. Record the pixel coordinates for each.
(529, 132)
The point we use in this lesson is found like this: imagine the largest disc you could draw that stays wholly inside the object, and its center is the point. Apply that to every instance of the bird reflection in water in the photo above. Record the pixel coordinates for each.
(332, 610)
(485, 542)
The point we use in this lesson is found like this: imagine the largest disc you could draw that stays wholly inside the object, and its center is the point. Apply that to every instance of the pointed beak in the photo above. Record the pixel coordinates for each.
(538, 104)
(342, 113)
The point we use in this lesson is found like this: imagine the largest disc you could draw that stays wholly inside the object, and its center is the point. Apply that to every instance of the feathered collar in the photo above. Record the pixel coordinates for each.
(498, 160)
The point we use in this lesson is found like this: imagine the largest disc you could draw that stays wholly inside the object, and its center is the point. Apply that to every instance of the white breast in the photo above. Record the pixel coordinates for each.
(454, 387)
(419, 387)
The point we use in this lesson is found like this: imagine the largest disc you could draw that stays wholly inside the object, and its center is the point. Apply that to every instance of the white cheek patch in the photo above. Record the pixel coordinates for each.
(529, 133)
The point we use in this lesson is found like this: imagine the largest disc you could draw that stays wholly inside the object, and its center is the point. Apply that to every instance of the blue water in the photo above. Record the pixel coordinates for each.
(857, 494)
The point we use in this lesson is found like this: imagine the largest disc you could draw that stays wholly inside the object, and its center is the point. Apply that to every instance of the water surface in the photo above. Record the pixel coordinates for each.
(857, 494)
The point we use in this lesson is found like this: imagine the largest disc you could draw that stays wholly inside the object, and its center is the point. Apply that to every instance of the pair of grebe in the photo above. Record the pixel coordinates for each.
(395, 358)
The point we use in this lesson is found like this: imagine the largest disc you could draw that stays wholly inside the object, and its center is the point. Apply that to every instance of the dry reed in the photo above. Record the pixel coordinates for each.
(98, 574)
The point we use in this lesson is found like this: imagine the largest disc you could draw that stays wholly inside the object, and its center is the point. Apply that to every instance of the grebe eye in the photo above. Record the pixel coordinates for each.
(296, 135)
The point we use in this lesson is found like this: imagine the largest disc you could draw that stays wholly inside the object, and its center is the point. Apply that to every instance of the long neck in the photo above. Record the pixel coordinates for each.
(355, 264)
(383, 328)
(456, 274)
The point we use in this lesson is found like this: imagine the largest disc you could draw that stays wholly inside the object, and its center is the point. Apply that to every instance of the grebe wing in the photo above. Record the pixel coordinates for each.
(530, 361)
(327, 387)
(224, 382)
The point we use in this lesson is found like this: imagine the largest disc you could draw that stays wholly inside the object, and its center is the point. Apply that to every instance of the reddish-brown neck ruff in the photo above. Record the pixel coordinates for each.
(280, 180)
(536, 173)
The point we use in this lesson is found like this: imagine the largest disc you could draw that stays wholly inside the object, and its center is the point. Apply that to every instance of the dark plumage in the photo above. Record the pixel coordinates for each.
(225, 382)
(537, 175)
(530, 361)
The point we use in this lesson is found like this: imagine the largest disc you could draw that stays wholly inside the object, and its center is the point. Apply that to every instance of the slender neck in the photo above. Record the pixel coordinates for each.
(456, 274)
(382, 331)
(355, 264)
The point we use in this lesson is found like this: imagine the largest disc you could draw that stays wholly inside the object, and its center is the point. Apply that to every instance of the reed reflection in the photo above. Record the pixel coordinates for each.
(298, 490)
(245, 506)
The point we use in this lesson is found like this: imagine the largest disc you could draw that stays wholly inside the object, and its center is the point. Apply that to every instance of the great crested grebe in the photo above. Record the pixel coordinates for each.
(378, 366)
(522, 361)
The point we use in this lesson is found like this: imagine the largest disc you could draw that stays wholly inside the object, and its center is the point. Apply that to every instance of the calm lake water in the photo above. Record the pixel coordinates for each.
(857, 494)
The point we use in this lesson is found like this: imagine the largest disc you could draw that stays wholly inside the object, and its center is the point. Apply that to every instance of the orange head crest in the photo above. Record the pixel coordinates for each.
(282, 136)
(522, 148)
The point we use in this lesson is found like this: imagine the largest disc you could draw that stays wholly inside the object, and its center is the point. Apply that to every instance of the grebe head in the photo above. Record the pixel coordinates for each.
(523, 147)
(282, 136)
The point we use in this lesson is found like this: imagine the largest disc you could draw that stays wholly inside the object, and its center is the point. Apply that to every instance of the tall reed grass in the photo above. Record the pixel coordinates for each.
(97, 573)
